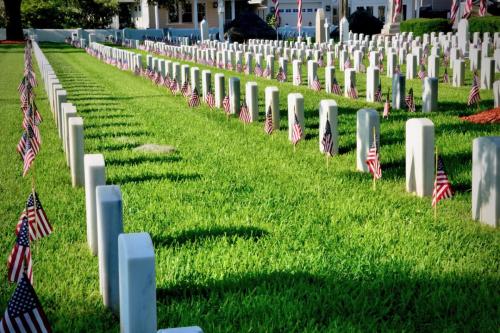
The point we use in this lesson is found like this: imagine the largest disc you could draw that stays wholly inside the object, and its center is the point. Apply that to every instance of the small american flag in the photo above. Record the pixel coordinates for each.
(167, 81)
(321, 63)
(482, 7)
(174, 87)
(226, 104)
(137, 71)
(336, 87)
(194, 100)
(474, 97)
(347, 63)
(268, 124)
(381, 66)
(21, 146)
(387, 107)
(378, 93)
(185, 89)
(468, 9)
(410, 101)
(244, 113)
(454, 11)
(20, 257)
(210, 99)
(29, 157)
(421, 72)
(296, 130)
(446, 78)
(258, 70)
(38, 223)
(442, 186)
(315, 84)
(281, 76)
(327, 140)
(352, 92)
(373, 161)
(239, 67)
(267, 72)
(24, 312)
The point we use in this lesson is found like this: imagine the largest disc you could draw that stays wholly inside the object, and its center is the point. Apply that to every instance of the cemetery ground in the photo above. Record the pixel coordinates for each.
(249, 235)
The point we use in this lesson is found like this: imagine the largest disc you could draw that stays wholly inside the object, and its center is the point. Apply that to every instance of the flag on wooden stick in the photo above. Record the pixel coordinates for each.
(327, 140)
(296, 130)
(474, 97)
(373, 161)
(268, 124)
(410, 101)
(244, 113)
(442, 186)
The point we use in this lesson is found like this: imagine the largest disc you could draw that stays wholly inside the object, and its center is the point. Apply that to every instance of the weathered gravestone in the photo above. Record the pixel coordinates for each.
(109, 226)
(368, 122)
(94, 176)
(419, 156)
(137, 283)
(486, 180)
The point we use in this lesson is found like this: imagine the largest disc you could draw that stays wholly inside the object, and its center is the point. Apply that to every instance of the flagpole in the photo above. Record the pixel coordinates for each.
(436, 165)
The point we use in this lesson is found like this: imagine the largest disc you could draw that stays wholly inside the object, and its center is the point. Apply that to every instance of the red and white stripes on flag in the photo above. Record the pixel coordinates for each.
(336, 87)
(210, 99)
(194, 99)
(373, 161)
(24, 312)
(467, 9)
(315, 84)
(410, 101)
(442, 186)
(268, 124)
(299, 15)
(482, 7)
(296, 130)
(352, 92)
(387, 108)
(474, 96)
(277, 17)
(245, 113)
(398, 8)
(29, 157)
(327, 140)
(226, 104)
(38, 223)
(19, 260)
(454, 11)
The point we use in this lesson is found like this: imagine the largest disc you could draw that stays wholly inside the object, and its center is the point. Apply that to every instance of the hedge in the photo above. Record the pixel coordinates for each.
(422, 25)
(489, 24)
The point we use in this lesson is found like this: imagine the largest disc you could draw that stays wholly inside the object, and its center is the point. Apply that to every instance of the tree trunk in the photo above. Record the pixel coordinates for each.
(13, 19)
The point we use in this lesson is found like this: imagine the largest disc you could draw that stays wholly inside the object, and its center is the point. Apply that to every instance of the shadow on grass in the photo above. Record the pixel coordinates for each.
(115, 124)
(100, 135)
(134, 160)
(391, 299)
(173, 177)
(200, 235)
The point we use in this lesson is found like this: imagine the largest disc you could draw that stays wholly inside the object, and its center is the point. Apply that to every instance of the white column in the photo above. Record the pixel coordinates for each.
(157, 17)
(195, 15)
(233, 10)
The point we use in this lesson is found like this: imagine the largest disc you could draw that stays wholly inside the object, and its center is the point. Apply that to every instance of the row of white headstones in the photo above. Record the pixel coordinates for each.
(368, 119)
(126, 261)
(127, 278)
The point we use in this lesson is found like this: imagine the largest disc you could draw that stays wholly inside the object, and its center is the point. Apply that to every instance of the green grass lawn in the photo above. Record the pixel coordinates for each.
(250, 236)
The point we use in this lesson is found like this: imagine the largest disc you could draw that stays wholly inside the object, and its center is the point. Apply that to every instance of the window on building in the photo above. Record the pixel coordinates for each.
(381, 13)
(309, 10)
(227, 7)
(173, 14)
(369, 9)
(201, 11)
(187, 13)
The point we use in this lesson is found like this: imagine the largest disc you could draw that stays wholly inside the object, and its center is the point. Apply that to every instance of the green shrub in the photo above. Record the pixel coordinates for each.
(422, 26)
(484, 24)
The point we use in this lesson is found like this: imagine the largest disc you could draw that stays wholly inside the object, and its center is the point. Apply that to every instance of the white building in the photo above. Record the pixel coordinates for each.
(192, 12)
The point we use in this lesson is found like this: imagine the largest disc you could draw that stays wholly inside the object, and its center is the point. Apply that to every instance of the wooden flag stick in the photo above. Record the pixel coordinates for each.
(436, 165)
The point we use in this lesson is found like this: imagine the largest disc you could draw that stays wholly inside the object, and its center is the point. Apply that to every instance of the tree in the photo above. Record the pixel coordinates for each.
(13, 26)
(66, 14)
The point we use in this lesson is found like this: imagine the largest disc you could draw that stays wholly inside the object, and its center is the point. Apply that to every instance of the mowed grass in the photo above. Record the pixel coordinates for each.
(250, 236)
